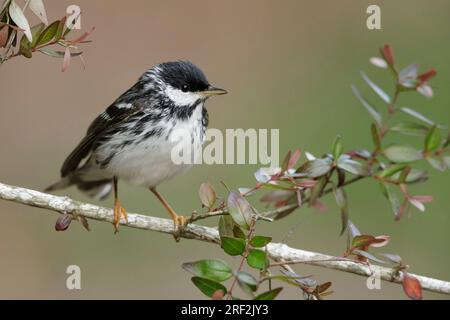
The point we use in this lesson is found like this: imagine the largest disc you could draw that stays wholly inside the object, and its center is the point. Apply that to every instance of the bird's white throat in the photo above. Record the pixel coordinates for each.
(180, 98)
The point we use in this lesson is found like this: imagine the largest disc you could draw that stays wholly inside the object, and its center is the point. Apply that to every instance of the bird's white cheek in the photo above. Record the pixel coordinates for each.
(180, 98)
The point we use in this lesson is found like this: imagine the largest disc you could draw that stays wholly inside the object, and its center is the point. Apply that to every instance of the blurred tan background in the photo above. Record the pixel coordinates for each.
(286, 64)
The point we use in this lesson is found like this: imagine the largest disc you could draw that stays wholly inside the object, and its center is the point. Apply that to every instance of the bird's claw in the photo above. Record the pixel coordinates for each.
(119, 212)
(180, 223)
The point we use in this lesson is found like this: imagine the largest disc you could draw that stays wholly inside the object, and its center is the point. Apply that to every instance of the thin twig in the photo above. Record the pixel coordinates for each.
(243, 258)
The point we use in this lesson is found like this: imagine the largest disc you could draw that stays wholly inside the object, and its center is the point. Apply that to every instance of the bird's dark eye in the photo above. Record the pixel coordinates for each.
(184, 88)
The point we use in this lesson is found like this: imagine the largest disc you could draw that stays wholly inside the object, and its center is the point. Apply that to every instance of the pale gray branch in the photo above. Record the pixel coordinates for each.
(277, 251)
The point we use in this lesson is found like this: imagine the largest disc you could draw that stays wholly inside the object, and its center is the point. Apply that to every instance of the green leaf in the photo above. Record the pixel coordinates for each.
(402, 154)
(393, 200)
(372, 111)
(247, 281)
(216, 270)
(395, 258)
(48, 34)
(207, 195)
(207, 286)
(417, 115)
(368, 255)
(414, 175)
(337, 147)
(36, 32)
(446, 141)
(315, 168)
(352, 166)
(59, 31)
(438, 164)
(404, 174)
(375, 136)
(364, 240)
(446, 160)
(257, 259)
(433, 140)
(269, 295)
(226, 225)
(24, 47)
(240, 210)
(383, 95)
(58, 54)
(260, 241)
(233, 246)
(410, 128)
(391, 170)
(317, 190)
(238, 233)
(341, 201)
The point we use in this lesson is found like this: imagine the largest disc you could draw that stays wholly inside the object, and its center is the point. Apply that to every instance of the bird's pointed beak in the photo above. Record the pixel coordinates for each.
(213, 91)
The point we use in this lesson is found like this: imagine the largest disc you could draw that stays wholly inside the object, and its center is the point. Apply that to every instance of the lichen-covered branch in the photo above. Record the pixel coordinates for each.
(276, 251)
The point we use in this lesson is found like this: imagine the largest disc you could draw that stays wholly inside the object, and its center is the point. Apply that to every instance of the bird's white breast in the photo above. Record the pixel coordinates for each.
(149, 162)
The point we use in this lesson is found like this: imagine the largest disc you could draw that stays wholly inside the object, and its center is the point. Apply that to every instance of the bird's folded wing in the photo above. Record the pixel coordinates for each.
(111, 117)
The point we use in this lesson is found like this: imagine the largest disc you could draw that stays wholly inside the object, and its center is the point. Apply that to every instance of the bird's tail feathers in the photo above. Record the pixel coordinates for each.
(98, 190)
(60, 184)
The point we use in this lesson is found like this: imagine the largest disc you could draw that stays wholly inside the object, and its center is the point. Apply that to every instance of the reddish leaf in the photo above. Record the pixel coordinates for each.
(281, 203)
(387, 54)
(384, 241)
(207, 195)
(286, 160)
(363, 255)
(83, 36)
(294, 158)
(412, 287)
(307, 183)
(240, 210)
(423, 198)
(217, 295)
(276, 195)
(66, 60)
(3, 36)
(323, 287)
(426, 75)
(404, 208)
(319, 206)
(365, 240)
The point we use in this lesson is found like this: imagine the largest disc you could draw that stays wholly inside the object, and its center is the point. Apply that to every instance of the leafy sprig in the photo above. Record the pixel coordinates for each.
(392, 166)
(49, 39)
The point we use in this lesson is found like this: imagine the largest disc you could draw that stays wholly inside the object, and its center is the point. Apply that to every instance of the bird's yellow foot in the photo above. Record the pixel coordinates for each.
(180, 222)
(119, 212)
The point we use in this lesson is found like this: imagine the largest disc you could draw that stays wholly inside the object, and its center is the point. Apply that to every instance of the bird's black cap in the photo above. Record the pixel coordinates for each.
(184, 75)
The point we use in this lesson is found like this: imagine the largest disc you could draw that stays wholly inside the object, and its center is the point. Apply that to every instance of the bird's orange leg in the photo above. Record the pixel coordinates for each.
(119, 211)
(179, 221)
